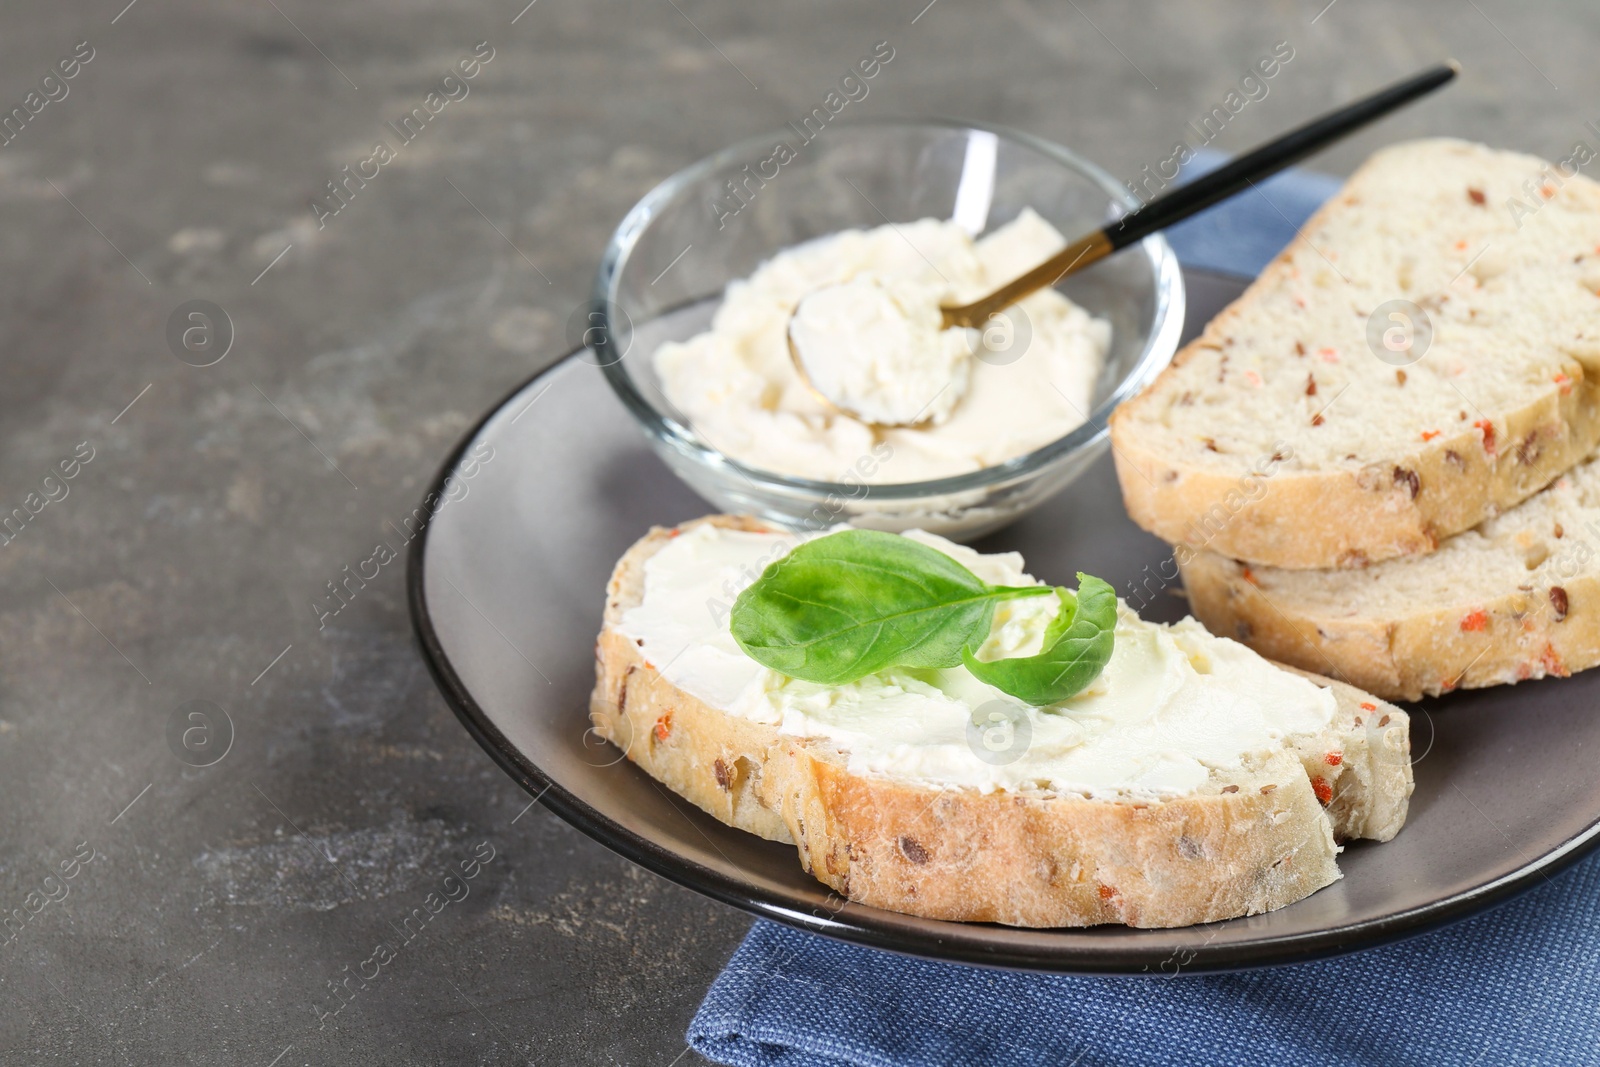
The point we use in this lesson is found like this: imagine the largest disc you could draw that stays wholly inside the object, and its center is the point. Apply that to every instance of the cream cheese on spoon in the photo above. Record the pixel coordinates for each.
(876, 348)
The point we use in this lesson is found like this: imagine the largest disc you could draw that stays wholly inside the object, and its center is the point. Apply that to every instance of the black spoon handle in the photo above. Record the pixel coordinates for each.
(1201, 193)
(1272, 157)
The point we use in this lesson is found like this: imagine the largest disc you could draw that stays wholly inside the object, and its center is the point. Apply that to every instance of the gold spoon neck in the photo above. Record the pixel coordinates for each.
(1087, 249)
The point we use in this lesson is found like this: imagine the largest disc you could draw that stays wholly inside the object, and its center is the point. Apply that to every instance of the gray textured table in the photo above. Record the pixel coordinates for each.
(187, 557)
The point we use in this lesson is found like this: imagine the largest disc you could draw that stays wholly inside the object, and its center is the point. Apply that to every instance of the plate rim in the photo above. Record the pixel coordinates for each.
(857, 924)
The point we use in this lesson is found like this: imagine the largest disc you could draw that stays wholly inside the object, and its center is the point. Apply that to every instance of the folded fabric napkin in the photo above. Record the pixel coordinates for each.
(1241, 235)
(1519, 984)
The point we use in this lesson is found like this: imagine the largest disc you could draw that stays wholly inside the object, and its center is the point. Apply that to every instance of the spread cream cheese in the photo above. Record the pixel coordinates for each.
(1173, 702)
(1028, 379)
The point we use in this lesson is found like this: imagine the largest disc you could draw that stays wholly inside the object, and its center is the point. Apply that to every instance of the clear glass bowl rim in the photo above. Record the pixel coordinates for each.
(1160, 344)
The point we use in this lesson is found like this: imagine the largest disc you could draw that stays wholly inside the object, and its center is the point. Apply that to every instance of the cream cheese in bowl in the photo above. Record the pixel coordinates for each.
(692, 301)
(980, 397)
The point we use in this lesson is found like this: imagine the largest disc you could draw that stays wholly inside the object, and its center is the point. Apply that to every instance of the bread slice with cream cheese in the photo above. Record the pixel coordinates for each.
(1103, 815)
(1298, 431)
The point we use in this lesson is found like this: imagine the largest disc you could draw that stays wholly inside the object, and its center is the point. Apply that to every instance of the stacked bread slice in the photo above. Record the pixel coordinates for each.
(1516, 598)
(1424, 357)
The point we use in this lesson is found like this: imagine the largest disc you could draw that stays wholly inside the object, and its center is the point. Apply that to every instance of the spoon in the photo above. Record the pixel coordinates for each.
(1157, 215)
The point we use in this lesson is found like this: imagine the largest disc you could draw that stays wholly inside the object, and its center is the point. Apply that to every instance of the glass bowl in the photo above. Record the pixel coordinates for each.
(664, 271)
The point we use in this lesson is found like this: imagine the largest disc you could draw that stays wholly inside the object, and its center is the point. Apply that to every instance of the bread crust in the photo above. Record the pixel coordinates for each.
(1282, 520)
(1039, 860)
(1453, 642)
(707, 757)
(1388, 507)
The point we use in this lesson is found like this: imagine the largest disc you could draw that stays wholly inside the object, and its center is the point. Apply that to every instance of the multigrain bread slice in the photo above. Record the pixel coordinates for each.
(1281, 437)
(1251, 840)
(1516, 598)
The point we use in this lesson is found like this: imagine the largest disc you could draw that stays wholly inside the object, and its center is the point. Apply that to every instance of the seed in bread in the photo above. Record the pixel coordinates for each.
(1498, 393)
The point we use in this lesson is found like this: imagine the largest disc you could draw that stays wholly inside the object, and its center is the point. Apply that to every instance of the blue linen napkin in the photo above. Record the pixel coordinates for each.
(1241, 235)
(1520, 984)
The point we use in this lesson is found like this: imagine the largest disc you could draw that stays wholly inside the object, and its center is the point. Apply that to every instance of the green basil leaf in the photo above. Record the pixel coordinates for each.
(1063, 618)
(856, 602)
(1077, 647)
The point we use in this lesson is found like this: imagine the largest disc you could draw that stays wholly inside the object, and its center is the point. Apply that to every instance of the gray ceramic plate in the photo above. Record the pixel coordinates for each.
(506, 588)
